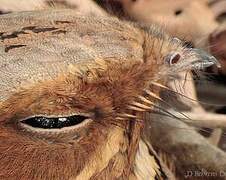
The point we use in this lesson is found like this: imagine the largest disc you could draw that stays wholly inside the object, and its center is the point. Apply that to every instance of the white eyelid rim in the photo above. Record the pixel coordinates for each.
(61, 130)
(170, 57)
(31, 129)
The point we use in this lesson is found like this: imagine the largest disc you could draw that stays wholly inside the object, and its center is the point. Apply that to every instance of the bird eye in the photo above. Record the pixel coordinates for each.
(178, 12)
(43, 122)
(172, 58)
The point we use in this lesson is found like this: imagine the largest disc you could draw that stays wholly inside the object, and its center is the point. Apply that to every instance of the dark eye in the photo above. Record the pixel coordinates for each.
(178, 12)
(54, 122)
(172, 58)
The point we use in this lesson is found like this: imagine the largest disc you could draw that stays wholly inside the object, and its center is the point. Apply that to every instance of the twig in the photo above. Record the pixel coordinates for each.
(215, 136)
(208, 120)
(192, 151)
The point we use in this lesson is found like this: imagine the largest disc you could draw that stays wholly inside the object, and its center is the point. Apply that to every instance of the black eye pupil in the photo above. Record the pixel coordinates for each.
(54, 123)
(178, 12)
(174, 59)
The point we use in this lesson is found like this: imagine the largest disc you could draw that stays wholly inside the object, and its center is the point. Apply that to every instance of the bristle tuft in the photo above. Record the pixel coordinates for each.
(142, 106)
(153, 95)
(127, 115)
(159, 85)
(142, 98)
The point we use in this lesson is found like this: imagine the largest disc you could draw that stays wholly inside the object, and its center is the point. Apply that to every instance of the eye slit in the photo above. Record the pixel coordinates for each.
(54, 122)
(172, 58)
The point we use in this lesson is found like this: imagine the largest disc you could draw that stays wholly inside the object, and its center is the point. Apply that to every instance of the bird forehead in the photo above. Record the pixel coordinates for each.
(35, 46)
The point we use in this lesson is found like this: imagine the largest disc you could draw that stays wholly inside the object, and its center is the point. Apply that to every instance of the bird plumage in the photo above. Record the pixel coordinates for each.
(57, 65)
